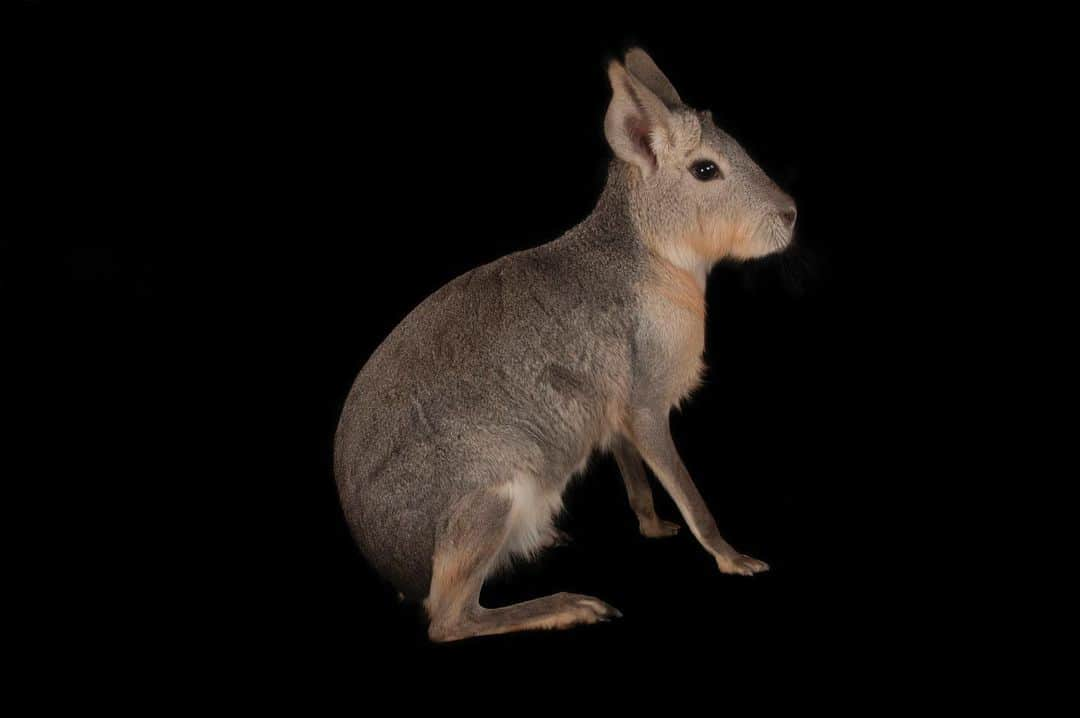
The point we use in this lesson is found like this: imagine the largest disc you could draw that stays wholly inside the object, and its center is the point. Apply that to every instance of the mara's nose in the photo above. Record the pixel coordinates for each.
(788, 215)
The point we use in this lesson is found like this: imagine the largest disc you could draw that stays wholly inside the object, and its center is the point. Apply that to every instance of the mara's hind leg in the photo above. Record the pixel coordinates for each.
(467, 548)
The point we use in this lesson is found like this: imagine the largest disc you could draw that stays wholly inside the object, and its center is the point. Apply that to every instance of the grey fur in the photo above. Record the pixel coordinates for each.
(514, 373)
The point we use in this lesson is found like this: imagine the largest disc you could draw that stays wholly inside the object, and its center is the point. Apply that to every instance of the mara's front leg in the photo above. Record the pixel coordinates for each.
(639, 492)
(651, 435)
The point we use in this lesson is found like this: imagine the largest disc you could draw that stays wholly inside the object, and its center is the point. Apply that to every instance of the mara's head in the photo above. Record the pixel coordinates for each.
(695, 194)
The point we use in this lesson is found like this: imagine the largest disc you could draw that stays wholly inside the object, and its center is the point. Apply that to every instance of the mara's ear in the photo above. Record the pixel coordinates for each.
(638, 126)
(643, 68)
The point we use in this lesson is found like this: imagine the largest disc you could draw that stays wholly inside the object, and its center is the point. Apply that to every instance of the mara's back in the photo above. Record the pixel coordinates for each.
(516, 368)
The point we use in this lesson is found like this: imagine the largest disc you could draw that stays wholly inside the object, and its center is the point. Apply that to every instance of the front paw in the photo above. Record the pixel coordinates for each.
(658, 528)
(742, 565)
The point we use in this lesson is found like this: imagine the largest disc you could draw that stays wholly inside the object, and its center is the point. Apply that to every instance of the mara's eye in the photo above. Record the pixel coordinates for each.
(705, 170)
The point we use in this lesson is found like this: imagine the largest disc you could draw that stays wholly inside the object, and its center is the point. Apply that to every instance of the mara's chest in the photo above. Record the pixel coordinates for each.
(671, 340)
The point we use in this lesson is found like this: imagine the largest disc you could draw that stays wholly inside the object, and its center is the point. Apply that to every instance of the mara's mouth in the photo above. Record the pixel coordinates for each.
(769, 235)
(778, 233)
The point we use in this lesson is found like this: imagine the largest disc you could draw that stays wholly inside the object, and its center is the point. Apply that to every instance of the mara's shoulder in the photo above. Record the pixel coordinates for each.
(575, 254)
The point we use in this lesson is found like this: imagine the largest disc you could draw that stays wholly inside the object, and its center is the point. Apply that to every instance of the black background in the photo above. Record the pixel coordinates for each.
(222, 213)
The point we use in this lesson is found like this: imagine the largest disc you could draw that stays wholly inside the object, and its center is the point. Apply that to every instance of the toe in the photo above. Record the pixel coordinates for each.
(600, 610)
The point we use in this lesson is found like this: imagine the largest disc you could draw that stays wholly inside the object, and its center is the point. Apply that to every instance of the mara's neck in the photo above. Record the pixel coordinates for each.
(680, 254)
(683, 259)
(614, 223)
(611, 222)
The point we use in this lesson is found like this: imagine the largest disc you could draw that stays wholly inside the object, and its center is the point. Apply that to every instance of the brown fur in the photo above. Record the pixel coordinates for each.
(719, 237)
(678, 286)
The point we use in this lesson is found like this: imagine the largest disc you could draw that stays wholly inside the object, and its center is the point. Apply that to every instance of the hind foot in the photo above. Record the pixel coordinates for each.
(555, 612)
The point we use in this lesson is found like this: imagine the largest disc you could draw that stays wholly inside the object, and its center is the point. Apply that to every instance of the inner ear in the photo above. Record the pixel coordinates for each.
(640, 127)
(636, 122)
(637, 128)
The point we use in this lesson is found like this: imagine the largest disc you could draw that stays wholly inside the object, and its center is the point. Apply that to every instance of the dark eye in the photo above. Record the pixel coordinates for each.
(705, 170)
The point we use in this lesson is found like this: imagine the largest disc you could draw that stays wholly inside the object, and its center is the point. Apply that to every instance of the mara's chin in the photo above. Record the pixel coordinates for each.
(762, 247)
